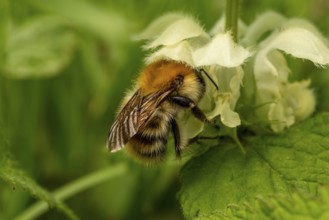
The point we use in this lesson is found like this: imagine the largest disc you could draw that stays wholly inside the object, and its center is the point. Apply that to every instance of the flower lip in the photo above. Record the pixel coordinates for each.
(183, 28)
(181, 38)
(154, 29)
(222, 51)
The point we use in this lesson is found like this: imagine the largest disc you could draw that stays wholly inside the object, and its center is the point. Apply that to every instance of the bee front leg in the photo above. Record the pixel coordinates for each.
(188, 103)
(199, 114)
(177, 138)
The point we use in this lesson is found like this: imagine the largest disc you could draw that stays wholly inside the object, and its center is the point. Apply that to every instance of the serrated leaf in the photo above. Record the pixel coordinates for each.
(298, 205)
(17, 178)
(40, 48)
(295, 160)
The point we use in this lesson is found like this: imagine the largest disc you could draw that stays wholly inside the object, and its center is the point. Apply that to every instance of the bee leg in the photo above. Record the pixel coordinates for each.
(199, 114)
(177, 138)
(182, 101)
(188, 103)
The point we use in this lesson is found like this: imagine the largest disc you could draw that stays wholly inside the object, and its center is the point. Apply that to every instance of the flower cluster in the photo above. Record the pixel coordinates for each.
(253, 73)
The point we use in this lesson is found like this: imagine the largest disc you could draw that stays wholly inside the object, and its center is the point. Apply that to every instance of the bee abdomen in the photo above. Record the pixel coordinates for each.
(149, 149)
(149, 144)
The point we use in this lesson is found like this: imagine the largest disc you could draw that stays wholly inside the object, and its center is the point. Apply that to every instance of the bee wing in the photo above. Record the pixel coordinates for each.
(134, 114)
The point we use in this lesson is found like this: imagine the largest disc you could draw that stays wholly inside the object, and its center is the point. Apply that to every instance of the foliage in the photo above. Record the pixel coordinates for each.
(64, 67)
(296, 206)
(294, 161)
(13, 175)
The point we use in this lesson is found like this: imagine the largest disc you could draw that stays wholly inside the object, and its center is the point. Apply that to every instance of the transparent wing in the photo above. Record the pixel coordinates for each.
(133, 115)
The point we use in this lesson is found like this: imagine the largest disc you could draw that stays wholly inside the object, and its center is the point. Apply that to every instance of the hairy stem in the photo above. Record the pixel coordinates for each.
(232, 17)
(4, 23)
(73, 188)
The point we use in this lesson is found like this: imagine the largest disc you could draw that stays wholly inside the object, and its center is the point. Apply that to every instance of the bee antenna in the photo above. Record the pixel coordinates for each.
(213, 82)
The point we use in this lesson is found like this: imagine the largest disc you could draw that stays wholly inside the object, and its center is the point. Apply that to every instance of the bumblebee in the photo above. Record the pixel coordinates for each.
(163, 89)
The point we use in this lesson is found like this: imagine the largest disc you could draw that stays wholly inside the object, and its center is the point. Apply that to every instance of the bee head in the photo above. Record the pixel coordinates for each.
(178, 80)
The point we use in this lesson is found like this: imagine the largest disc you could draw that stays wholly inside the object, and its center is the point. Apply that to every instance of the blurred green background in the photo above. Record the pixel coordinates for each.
(65, 65)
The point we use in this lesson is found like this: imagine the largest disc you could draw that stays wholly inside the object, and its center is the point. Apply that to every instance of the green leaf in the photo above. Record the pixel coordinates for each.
(296, 206)
(107, 22)
(74, 187)
(13, 175)
(297, 159)
(40, 48)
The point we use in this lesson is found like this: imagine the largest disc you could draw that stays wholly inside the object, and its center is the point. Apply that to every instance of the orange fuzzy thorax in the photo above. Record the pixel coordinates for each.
(161, 73)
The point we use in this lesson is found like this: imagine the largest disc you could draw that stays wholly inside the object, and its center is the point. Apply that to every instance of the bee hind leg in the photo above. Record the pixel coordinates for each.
(177, 138)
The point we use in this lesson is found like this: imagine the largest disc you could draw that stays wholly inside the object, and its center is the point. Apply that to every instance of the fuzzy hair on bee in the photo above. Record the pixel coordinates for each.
(148, 114)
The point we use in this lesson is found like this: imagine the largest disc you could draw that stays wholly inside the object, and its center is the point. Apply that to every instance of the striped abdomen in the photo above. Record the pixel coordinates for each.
(149, 143)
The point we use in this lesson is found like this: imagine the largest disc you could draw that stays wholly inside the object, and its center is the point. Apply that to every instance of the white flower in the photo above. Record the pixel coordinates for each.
(219, 27)
(224, 59)
(283, 103)
(181, 38)
(297, 104)
(222, 51)
(260, 77)
(170, 29)
(175, 36)
(227, 96)
(265, 22)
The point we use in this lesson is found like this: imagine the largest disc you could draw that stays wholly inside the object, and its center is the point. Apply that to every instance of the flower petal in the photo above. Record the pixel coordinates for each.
(224, 100)
(181, 52)
(182, 29)
(154, 29)
(270, 71)
(280, 116)
(296, 102)
(265, 22)
(300, 43)
(230, 118)
(221, 50)
(301, 99)
(219, 27)
(223, 108)
(235, 84)
(305, 24)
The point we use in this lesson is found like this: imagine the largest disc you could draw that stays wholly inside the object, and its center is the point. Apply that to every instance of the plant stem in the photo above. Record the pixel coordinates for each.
(232, 17)
(237, 141)
(4, 23)
(73, 188)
